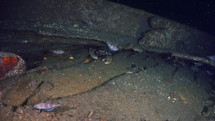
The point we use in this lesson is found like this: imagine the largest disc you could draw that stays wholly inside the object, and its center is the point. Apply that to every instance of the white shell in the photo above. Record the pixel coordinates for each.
(58, 52)
(113, 47)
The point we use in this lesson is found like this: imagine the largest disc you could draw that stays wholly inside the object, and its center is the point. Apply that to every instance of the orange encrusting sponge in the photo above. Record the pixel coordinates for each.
(7, 64)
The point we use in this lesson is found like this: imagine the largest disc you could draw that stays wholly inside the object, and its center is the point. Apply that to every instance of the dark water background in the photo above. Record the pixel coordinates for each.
(199, 14)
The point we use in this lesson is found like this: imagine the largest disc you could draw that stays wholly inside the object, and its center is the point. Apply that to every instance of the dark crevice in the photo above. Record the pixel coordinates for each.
(174, 72)
(35, 91)
(14, 108)
(47, 38)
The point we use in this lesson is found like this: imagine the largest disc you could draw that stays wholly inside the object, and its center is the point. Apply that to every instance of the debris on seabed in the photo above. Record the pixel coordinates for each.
(112, 47)
(71, 57)
(58, 51)
(87, 61)
(172, 96)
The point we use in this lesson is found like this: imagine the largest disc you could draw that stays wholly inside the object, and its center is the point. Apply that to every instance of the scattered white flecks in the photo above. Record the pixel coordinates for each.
(112, 47)
(33, 84)
(25, 41)
(58, 51)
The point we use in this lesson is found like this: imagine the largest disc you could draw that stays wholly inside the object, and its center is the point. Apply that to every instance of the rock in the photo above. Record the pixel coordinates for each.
(11, 65)
(6, 112)
(33, 88)
(21, 91)
(102, 53)
(58, 83)
(99, 22)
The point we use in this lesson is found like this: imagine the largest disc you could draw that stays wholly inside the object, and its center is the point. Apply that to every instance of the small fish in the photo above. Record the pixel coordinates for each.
(58, 51)
(113, 47)
(46, 106)
(211, 57)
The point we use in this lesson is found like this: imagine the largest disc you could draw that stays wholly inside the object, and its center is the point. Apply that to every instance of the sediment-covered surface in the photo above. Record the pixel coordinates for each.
(161, 70)
(105, 22)
(152, 87)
